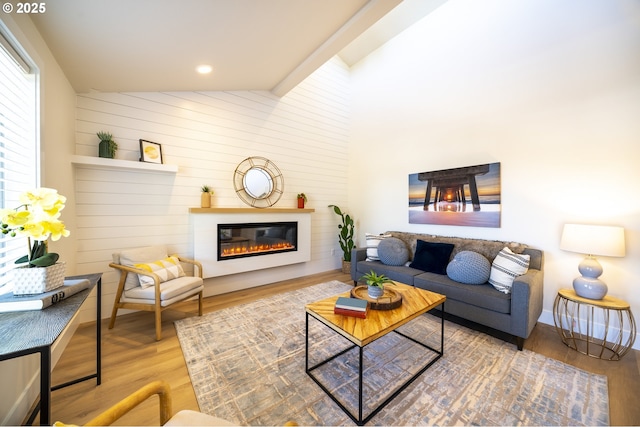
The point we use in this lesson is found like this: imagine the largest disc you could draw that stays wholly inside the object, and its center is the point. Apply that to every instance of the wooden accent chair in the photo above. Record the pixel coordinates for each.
(167, 418)
(152, 280)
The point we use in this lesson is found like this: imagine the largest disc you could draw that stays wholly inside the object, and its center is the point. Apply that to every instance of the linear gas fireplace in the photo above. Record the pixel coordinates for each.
(255, 239)
(219, 229)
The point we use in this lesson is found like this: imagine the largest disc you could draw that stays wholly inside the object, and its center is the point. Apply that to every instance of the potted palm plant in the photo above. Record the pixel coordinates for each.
(375, 283)
(345, 237)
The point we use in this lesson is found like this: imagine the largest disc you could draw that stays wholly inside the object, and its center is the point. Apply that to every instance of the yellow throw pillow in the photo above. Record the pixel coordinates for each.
(166, 269)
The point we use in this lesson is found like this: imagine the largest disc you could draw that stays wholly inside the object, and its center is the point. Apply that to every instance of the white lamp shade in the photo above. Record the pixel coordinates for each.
(593, 239)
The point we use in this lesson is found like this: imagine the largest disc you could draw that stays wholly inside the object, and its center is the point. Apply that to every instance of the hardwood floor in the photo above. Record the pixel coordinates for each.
(132, 358)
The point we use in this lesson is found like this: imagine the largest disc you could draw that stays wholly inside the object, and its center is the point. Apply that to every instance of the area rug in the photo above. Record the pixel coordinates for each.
(247, 365)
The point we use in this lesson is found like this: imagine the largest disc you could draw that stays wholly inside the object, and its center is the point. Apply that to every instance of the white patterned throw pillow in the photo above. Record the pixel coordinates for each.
(506, 267)
(166, 269)
(373, 240)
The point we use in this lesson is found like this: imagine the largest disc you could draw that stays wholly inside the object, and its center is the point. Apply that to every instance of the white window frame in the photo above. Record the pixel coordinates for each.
(19, 139)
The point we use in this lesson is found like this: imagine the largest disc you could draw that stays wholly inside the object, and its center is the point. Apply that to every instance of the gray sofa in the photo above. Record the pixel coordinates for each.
(515, 313)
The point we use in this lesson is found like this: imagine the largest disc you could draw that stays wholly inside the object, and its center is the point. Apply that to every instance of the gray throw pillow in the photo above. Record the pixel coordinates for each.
(470, 268)
(393, 251)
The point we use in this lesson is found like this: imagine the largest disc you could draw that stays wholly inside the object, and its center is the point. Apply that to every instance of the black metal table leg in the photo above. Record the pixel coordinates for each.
(359, 419)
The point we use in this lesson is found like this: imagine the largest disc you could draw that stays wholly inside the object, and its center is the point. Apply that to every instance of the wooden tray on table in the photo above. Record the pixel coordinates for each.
(389, 300)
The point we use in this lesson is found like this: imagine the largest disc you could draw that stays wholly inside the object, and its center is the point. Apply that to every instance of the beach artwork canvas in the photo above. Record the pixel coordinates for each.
(465, 196)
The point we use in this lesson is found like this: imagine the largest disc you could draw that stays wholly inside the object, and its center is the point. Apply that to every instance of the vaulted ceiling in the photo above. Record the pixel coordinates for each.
(156, 45)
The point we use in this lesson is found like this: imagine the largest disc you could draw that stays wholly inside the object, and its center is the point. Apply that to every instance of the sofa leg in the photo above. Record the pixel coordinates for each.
(520, 343)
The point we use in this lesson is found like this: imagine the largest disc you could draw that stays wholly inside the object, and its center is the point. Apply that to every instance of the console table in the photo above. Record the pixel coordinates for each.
(34, 332)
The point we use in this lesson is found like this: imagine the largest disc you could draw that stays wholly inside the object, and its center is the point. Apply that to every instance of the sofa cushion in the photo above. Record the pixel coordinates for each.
(393, 251)
(166, 269)
(483, 296)
(470, 268)
(373, 240)
(400, 274)
(432, 257)
(506, 267)
(488, 248)
(169, 291)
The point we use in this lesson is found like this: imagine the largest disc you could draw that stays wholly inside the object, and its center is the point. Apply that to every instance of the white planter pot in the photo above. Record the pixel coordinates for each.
(37, 280)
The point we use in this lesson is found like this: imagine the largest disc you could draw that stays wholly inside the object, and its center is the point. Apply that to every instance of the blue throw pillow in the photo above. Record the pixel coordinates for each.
(470, 268)
(432, 257)
(393, 251)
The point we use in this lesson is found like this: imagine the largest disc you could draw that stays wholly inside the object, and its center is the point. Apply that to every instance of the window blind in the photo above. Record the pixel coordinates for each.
(18, 143)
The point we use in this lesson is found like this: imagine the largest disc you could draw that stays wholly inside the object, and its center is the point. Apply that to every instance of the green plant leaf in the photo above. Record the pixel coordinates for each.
(46, 260)
(22, 260)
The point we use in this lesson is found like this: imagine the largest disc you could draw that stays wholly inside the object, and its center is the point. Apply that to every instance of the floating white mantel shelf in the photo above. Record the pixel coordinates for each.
(117, 164)
(248, 210)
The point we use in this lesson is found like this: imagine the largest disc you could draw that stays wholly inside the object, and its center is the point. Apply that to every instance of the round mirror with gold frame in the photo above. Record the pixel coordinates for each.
(258, 182)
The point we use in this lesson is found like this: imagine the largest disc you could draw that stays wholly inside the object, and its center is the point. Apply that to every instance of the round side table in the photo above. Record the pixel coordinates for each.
(604, 328)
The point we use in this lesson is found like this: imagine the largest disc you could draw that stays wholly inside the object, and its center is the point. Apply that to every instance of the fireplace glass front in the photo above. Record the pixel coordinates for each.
(255, 239)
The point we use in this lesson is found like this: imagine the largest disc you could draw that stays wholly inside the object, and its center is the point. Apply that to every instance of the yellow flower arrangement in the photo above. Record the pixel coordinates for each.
(36, 218)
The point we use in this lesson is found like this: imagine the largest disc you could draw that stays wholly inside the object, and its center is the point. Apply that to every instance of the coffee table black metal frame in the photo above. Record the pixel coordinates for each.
(359, 420)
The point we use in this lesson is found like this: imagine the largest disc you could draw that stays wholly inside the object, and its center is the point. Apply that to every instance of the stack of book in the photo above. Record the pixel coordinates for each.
(351, 307)
(10, 302)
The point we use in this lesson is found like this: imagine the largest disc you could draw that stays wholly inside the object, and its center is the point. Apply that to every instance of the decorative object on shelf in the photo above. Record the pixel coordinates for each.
(107, 147)
(345, 237)
(302, 199)
(37, 218)
(258, 182)
(150, 152)
(375, 283)
(592, 240)
(205, 197)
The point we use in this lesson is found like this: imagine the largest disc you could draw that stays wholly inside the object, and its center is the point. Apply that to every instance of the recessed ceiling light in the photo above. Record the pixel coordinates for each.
(204, 69)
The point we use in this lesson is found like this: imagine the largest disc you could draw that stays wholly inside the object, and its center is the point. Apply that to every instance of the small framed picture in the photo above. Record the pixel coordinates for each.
(150, 152)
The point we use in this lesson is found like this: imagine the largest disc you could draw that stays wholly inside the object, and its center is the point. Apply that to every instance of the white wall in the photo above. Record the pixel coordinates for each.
(207, 134)
(550, 89)
(57, 123)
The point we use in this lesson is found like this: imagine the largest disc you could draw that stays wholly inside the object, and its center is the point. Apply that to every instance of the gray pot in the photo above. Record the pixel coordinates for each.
(374, 291)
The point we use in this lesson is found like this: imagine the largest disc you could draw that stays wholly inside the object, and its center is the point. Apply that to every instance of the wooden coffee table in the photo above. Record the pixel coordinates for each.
(361, 332)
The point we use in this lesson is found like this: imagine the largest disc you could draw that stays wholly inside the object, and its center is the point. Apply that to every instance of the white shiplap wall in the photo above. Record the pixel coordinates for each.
(207, 134)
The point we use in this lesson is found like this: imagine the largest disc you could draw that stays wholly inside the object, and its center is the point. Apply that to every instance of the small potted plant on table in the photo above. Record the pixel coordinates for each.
(375, 283)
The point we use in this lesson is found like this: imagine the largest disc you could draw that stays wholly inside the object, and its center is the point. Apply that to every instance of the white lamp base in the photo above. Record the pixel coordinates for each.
(589, 286)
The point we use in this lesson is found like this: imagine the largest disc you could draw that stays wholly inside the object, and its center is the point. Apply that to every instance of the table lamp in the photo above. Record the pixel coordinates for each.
(592, 240)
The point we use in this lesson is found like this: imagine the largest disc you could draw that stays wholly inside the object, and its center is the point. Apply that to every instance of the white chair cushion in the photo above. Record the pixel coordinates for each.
(192, 418)
(169, 291)
(131, 257)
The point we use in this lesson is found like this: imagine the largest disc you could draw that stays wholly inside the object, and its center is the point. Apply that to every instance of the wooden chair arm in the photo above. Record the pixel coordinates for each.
(128, 270)
(190, 261)
(161, 388)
